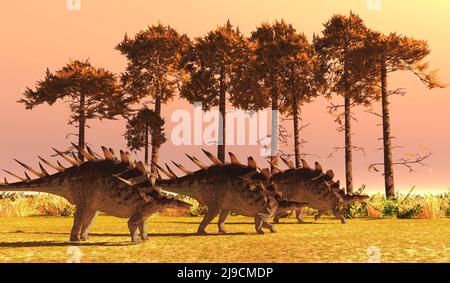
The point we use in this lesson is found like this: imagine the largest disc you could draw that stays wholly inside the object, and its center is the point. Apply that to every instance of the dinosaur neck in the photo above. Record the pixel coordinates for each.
(183, 186)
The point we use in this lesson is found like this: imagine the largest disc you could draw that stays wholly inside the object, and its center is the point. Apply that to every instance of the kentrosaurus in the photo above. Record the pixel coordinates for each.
(313, 186)
(227, 187)
(92, 186)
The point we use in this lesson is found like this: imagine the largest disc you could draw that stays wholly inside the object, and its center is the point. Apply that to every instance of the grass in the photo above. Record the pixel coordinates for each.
(172, 239)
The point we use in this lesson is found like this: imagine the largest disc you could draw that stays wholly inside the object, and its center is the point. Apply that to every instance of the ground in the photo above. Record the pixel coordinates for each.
(172, 239)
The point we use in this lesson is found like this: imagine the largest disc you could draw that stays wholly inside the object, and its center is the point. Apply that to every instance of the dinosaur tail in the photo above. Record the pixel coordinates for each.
(38, 185)
(290, 205)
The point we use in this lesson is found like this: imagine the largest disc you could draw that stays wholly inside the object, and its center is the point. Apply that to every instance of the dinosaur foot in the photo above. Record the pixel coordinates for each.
(84, 237)
(74, 238)
(202, 232)
(273, 230)
(260, 232)
(222, 232)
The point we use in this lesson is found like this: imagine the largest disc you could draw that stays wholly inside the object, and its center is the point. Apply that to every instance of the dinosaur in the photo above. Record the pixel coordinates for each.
(313, 186)
(93, 186)
(227, 187)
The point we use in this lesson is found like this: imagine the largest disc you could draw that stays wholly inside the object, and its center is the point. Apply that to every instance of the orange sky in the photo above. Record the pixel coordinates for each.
(40, 34)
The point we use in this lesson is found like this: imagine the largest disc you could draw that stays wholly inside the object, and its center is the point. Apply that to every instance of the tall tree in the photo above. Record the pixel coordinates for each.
(213, 63)
(92, 93)
(146, 123)
(153, 70)
(305, 81)
(341, 38)
(390, 53)
(276, 49)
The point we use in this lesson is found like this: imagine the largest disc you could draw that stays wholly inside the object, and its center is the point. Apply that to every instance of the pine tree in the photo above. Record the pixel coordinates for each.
(92, 93)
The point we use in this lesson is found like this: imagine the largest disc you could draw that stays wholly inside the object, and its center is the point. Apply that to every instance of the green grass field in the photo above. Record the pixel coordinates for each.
(172, 239)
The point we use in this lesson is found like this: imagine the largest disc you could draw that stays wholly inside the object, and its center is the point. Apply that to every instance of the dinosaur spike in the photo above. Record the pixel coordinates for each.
(275, 167)
(93, 154)
(336, 185)
(113, 153)
(266, 172)
(14, 175)
(131, 159)
(142, 167)
(305, 164)
(171, 172)
(158, 175)
(182, 168)
(27, 176)
(251, 162)
(67, 158)
(124, 181)
(83, 152)
(124, 157)
(60, 165)
(135, 181)
(32, 170)
(5, 181)
(54, 166)
(288, 162)
(44, 172)
(164, 171)
(330, 173)
(317, 166)
(76, 158)
(197, 162)
(234, 159)
(107, 153)
(214, 159)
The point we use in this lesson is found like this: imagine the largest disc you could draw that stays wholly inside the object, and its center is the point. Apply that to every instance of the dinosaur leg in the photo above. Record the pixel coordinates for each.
(337, 213)
(87, 221)
(222, 217)
(276, 219)
(298, 215)
(262, 221)
(143, 229)
(212, 212)
(319, 214)
(133, 224)
(77, 223)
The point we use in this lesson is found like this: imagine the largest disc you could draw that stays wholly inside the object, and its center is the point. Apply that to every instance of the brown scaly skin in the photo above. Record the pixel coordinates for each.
(91, 186)
(229, 187)
(314, 187)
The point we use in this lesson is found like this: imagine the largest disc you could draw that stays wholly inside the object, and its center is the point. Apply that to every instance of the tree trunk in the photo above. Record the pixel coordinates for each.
(146, 144)
(81, 124)
(222, 119)
(155, 148)
(387, 146)
(274, 128)
(348, 146)
(295, 116)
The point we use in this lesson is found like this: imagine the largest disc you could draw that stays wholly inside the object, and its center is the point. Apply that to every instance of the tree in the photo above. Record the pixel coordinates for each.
(387, 54)
(339, 46)
(305, 81)
(92, 93)
(144, 124)
(153, 70)
(213, 65)
(277, 49)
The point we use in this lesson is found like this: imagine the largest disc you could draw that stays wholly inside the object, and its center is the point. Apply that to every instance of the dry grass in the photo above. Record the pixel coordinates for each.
(172, 239)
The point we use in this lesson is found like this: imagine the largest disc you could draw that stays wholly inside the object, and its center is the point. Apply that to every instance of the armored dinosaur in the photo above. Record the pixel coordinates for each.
(93, 186)
(313, 186)
(227, 187)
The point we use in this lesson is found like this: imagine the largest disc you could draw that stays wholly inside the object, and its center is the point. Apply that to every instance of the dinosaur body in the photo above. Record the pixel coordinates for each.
(228, 187)
(313, 186)
(91, 186)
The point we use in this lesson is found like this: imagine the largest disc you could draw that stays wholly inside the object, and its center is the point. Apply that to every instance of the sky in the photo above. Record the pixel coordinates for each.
(36, 35)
